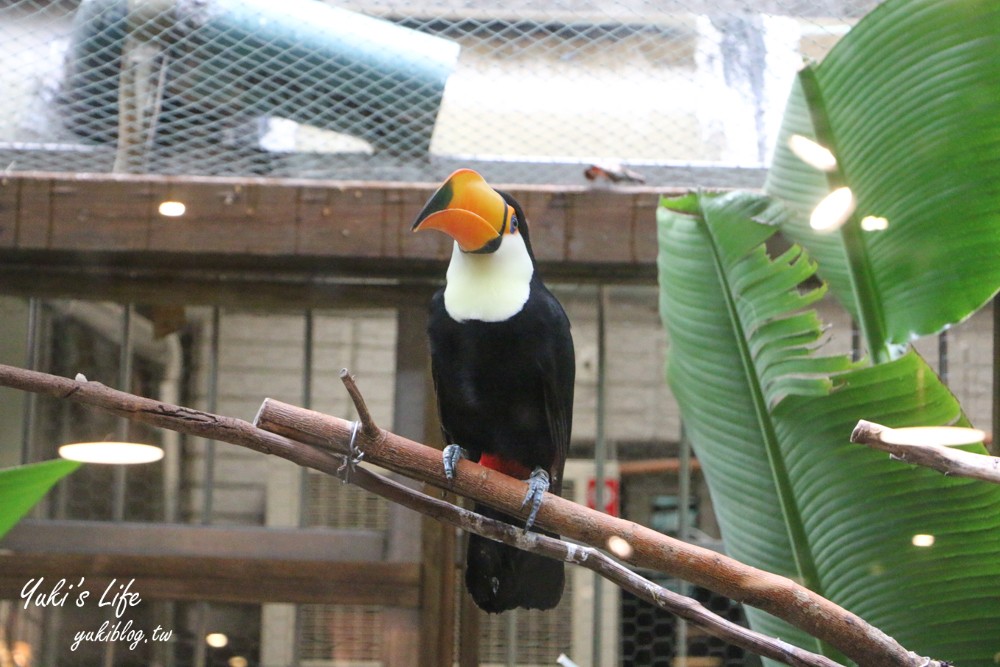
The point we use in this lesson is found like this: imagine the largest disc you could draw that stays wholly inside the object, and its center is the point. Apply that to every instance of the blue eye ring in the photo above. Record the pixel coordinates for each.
(513, 224)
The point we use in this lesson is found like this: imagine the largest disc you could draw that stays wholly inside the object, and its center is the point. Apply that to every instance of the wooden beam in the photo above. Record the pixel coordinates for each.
(181, 540)
(212, 563)
(53, 223)
(59, 276)
(239, 580)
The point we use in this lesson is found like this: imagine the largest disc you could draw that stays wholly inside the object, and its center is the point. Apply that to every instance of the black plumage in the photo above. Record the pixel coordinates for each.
(505, 395)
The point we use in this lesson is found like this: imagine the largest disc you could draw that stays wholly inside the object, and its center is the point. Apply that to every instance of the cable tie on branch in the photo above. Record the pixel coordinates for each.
(354, 456)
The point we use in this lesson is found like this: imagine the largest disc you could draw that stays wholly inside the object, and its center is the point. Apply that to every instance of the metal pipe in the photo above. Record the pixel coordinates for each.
(125, 384)
(212, 401)
(308, 349)
(511, 646)
(683, 533)
(329, 57)
(600, 458)
(125, 362)
(32, 344)
(307, 359)
(684, 488)
(170, 392)
(200, 658)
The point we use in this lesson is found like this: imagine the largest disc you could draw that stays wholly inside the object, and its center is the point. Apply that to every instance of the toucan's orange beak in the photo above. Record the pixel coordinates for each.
(467, 209)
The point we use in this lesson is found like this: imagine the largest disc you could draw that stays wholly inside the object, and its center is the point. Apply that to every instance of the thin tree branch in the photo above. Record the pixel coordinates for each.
(947, 460)
(368, 426)
(331, 438)
(594, 560)
(774, 594)
(238, 432)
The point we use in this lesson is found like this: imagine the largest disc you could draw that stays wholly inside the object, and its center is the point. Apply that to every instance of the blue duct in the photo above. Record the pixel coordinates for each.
(227, 60)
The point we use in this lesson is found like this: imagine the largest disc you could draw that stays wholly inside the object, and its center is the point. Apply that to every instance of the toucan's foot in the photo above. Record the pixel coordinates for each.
(450, 457)
(538, 484)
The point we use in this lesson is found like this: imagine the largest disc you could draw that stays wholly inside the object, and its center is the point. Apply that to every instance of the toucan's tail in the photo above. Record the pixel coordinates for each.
(500, 577)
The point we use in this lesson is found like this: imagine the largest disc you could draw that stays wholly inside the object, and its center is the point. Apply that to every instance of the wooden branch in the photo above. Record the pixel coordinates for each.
(368, 426)
(195, 422)
(772, 593)
(331, 438)
(944, 459)
(172, 417)
(594, 560)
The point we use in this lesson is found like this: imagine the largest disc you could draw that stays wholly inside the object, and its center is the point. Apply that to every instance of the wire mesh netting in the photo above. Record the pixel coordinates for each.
(676, 89)
(652, 637)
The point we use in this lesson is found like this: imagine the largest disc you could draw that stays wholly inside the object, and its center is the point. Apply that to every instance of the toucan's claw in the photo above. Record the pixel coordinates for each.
(538, 484)
(450, 456)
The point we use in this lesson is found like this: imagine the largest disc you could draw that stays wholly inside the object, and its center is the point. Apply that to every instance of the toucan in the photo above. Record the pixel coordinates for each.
(503, 366)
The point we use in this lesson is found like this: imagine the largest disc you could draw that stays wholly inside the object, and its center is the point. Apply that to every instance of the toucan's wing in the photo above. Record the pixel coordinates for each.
(558, 371)
(448, 440)
(435, 311)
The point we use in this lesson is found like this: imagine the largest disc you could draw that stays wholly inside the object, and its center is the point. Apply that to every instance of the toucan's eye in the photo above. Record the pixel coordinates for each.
(513, 224)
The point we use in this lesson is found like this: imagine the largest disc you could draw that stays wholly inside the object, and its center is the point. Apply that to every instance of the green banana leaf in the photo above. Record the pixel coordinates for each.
(22, 487)
(908, 101)
(769, 417)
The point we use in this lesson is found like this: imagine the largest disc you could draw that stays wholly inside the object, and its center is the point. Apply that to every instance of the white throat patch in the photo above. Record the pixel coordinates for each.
(491, 287)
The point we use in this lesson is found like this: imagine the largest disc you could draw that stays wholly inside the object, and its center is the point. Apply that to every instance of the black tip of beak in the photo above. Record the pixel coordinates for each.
(438, 202)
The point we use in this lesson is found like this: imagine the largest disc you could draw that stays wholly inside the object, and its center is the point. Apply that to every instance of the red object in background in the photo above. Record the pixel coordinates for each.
(614, 172)
(611, 487)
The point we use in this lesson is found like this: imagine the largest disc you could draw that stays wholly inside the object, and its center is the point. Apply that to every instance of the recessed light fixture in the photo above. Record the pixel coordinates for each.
(874, 223)
(620, 547)
(833, 211)
(121, 453)
(812, 153)
(216, 639)
(172, 209)
(946, 436)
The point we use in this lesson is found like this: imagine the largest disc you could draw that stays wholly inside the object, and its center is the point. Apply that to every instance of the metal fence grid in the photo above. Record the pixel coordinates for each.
(652, 637)
(683, 91)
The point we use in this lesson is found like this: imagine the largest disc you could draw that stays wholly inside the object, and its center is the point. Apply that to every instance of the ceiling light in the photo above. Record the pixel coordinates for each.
(947, 436)
(172, 209)
(620, 547)
(216, 639)
(812, 153)
(833, 211)
(922, 540)
(122, 453)
(874, 223)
